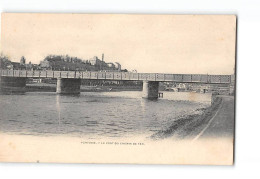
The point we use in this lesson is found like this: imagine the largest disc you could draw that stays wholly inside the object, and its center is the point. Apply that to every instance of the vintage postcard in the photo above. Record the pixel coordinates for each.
(117, 88)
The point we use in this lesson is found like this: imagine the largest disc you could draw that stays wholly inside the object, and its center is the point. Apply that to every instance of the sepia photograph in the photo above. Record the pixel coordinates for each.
(117, 88)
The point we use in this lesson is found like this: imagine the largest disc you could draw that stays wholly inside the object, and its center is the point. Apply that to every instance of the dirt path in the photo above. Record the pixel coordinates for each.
(223, 123)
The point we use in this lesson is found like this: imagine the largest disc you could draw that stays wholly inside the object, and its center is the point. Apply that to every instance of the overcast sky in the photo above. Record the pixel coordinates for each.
(147, 43)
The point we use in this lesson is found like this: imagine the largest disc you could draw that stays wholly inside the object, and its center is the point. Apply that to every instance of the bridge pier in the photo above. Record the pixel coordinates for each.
(12, 84)
(150, 89)
(68, 86)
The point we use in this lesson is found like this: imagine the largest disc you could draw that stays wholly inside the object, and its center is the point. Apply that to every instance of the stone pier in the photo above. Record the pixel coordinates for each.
(68, 86)
(150, 89)
(12, 84)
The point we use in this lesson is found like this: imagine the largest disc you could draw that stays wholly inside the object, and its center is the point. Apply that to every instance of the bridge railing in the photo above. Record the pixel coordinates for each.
(184, 78)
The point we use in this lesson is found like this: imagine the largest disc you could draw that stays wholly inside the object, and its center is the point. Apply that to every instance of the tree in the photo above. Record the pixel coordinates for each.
(4, 61)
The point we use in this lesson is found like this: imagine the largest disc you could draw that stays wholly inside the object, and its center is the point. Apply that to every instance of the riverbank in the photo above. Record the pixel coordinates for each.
(190, 126)
(47, 87)
(41, 87)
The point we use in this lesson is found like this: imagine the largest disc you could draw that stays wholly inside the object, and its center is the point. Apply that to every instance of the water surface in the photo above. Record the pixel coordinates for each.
(95, 114)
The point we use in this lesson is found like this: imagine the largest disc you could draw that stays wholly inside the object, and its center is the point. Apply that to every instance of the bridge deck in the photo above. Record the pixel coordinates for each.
(185, 78)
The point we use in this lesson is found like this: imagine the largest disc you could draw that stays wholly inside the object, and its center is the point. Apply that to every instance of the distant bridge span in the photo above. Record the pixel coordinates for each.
(69, 81)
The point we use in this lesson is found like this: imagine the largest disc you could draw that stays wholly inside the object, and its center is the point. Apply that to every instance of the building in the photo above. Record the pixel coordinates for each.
(17, 66)
(118, 66)
(22, 60)
(45, 64)
(111, 65)
(95, 61)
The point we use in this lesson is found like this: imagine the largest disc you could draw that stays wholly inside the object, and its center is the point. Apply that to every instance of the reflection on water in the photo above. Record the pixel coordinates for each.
(93, 114)
(58, 107)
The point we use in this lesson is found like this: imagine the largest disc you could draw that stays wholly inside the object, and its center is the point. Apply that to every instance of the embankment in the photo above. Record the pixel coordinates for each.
(190, 125)
(45, 87)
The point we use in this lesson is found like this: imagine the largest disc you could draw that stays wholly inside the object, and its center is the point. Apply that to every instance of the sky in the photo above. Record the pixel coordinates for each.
(187, 44)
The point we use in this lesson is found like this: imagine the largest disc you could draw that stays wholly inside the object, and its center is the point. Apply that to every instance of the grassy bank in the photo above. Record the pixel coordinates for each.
(190, 125)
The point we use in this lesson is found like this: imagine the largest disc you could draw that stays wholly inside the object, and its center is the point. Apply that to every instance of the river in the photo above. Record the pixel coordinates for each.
(95, 114)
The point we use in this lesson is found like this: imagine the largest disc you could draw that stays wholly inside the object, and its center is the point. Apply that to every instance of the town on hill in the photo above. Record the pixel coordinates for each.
(62, 63)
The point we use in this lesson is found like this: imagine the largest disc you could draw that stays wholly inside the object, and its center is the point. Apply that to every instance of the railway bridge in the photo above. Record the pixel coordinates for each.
(68, 82)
